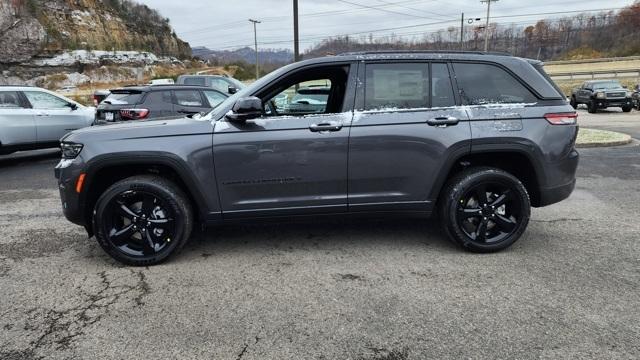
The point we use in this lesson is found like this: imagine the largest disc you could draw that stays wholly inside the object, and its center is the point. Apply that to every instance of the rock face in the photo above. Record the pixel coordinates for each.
(21, 38)
(42, 28)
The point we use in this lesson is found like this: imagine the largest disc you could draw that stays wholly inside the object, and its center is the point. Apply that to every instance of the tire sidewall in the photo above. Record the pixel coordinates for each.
(464, 184)
(181, 221)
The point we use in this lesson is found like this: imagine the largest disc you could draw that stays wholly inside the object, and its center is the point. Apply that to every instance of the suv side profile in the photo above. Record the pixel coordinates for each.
(156, 102)
(34, 118)
(475, 138)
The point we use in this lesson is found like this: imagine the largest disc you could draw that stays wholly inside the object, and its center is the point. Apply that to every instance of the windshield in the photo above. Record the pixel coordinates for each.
(607, 85)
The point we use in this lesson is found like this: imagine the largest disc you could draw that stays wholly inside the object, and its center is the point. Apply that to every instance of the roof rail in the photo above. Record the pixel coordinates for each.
(377, 52)
(18, 86)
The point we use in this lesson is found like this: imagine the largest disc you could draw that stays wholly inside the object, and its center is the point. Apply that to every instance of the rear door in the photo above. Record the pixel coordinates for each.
(54, 116)
(407, 127)
(17, 120)
(160, 104)
(189, 102)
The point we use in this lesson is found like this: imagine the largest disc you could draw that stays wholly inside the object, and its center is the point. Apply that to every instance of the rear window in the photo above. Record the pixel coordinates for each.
(123, 98)
(481, 84)
(195, 81)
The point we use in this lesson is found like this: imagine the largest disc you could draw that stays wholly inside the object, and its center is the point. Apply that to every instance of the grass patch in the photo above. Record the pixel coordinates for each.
(593, 138)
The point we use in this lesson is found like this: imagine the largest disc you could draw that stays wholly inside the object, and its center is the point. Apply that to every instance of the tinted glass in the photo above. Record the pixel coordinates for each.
(396, 86)
(188, 98)
(607, 85)
(488, 84)
(194, 81)
(123, 98)
(159, 97)
(441, 87)
(220, 84)
(9, 99)
(214, 98)
(42, 100)
(308, 97)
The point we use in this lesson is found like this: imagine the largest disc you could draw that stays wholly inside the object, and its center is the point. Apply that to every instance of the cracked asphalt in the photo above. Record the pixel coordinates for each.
(339, 289)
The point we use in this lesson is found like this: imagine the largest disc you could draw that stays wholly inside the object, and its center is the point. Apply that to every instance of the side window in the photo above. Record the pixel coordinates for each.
(194, 81)
(397, 86)
(42, 100)
(159, 97)
(10, 100)
(188, 98)
(304, 98)
(214, 98)
(220, 84)
(441, 87)
(488, 84)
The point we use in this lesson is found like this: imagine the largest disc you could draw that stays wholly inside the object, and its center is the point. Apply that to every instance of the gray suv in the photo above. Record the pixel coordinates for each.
(472, 137)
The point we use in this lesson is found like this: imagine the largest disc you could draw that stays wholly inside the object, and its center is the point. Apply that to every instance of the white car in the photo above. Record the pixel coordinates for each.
(35, 118)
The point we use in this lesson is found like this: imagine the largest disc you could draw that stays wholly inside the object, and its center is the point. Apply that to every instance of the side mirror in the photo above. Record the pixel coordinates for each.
(72, 106)
(232, 90)
(246, 108)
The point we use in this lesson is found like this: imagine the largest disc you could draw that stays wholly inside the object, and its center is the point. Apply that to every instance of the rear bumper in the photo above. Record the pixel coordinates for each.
(556, 194)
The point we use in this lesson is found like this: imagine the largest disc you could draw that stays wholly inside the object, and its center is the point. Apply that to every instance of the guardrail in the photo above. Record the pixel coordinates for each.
(590, 61)
(600, 74)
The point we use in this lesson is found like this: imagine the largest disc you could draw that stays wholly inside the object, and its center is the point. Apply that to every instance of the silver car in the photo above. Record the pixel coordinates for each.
(35, 118)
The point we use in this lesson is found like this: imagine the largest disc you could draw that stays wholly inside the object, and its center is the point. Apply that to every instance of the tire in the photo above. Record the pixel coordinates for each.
(464, 218)
(573, 102)
(140, 208)
(626, 108)
(592, 108)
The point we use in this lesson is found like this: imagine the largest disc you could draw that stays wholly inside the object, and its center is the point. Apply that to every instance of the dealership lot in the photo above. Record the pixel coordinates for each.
(331, 289)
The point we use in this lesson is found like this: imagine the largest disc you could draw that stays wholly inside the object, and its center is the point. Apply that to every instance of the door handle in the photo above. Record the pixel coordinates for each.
(443, 121)
(325, 127)
(42, 114)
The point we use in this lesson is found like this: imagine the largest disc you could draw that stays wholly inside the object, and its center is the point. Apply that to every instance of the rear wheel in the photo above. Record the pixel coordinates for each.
(592, 107)
(573, 102)
(485, 209)
(142, 220)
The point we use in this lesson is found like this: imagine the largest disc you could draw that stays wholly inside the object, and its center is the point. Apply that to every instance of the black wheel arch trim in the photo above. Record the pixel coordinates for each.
(492, 145)
(167, 159)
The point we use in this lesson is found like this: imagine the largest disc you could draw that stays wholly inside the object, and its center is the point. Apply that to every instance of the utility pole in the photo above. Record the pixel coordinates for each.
(486, 28)
(296, 37)
(462, 32)
(255, 38)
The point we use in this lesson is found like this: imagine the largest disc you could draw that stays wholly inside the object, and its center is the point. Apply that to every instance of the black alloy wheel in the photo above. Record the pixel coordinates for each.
(485, 209)
(142, 220)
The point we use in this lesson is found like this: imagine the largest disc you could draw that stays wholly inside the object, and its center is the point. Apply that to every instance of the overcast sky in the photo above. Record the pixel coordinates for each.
(223, 24)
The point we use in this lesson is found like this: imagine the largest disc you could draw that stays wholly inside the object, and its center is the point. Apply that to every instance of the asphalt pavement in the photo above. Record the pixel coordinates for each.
(366, 289)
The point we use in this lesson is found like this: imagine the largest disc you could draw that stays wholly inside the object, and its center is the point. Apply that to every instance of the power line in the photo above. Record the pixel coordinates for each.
(379, 8)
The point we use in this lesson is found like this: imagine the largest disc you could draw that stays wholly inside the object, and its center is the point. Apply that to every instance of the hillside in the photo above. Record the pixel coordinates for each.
(40, 28)
(245, 54)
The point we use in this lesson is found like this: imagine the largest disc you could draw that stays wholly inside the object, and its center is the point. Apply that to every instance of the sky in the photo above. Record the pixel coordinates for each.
(224, 25)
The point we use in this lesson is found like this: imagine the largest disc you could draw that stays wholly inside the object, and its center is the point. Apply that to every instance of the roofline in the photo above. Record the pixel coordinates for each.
(455, 52)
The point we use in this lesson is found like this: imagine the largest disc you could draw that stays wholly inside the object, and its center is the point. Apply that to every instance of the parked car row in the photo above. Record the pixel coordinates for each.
(35, 118)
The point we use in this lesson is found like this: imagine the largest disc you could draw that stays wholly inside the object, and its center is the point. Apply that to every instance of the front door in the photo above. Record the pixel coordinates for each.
(408, 128)
(54, 116)
(294, 158)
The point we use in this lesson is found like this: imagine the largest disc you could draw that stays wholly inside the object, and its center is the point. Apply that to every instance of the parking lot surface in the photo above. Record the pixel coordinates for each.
(331, 289)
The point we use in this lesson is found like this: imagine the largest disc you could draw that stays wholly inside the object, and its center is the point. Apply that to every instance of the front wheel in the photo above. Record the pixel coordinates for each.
(485, 209)
(142, 220)
(573, 102)
(626, 109)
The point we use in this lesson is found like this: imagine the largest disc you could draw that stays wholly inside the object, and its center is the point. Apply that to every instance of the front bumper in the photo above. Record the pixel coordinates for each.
(603, 103)
(67, 173)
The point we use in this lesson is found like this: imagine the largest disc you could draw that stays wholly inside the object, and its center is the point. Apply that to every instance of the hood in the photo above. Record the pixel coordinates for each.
(139, 129)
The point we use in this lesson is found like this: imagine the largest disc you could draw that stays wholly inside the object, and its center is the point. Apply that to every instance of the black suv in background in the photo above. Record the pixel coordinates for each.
(601, 94)
(476, 138)
(156, 102)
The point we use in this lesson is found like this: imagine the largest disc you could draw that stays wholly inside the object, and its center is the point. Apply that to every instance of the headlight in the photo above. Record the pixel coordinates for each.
(70, 150)
(601, 95)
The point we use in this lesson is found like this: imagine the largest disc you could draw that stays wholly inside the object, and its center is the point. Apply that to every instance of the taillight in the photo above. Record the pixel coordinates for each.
(95, 100)
(562, 118)
(134, 114)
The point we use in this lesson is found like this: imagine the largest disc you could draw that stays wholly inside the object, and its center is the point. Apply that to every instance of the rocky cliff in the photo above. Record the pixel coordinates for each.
(41, 28)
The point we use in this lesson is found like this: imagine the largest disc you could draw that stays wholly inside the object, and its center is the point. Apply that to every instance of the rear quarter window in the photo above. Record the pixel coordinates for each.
(481, 84)
(195, 81)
